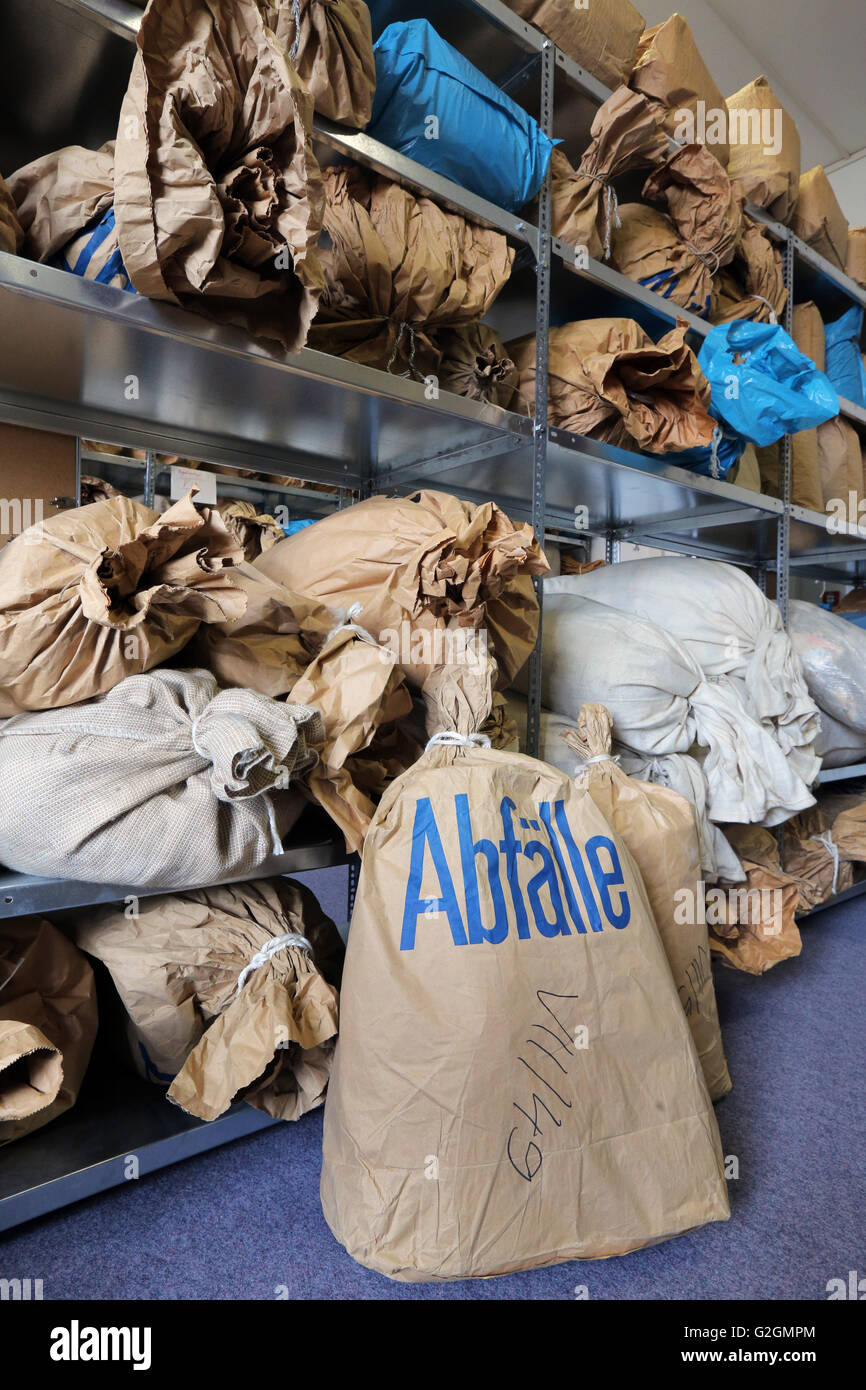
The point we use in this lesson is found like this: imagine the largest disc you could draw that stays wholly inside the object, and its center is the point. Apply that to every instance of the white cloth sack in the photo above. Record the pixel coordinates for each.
(163, 783)
(678, 771)
(833, 655)
(838, 745)
(724, 621)
(661, 703)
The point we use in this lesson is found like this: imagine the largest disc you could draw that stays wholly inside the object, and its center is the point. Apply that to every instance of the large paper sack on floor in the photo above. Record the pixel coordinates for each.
(229, 993)
(331, 48)
(659, 830)
(515, 1081)
(165, 782)
(48, 1024)
(103, 592)
(601, 37)
(418, 566)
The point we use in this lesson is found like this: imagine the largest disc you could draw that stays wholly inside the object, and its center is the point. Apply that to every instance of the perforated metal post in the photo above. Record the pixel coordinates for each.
(150, 471)
(783, 539)
(539, 448)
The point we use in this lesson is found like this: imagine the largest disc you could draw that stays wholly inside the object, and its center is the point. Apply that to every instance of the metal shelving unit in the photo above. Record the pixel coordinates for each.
(210, 393)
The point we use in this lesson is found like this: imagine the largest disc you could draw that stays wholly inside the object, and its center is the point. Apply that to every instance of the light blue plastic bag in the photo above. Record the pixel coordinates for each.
(435, 107)
(844, 363)
(762, 386)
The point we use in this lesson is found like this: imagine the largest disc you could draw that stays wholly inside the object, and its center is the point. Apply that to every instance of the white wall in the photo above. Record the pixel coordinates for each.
(849, 185)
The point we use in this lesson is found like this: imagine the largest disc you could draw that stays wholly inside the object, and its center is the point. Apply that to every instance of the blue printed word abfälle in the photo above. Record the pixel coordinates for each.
(566, 872)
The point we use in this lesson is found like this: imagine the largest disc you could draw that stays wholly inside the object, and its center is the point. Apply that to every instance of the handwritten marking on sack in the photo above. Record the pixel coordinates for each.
(431, 1168)
(573, 887)
(524, 1154)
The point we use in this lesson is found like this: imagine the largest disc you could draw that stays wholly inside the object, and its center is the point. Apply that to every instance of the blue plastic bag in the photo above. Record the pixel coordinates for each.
(762, 386)
(844, 363)
(712, 460)
(292, 528)
(435, 107)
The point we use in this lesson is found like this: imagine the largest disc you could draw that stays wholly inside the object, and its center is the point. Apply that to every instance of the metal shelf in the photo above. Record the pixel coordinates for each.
(841, 774)
(87, 1150)
(314, 843)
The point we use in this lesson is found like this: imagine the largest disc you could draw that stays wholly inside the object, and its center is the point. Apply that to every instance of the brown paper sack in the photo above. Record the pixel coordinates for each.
(704, 205)
(670, 70)
(753, 285)
(806, 490)
(399, 268)
(848, 830)
(601, 37)
(515, 1082)
(770, 180)
(11, 231)
(165, 782)
(253, 531)
(59, 194)
(608, 380)
(648, 249)
(626, 134)
(95, 594)
(229, 992)
(855, 261)
(748, 472)
(818, 218)
(421, 567)
(812, 856)
(48, 1024)
(753, 927)
(360, 692)
(264, 649)
(217, 194)
(658, 828)
(475, 364)
(841, 461)
(809, 334)
(331, 47)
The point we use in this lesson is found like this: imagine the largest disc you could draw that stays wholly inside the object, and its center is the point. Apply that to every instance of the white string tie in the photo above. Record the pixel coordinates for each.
(270, 949)
(449, 738)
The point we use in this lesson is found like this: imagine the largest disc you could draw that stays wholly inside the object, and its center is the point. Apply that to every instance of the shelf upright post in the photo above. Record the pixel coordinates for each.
(539, 450)
(783, 539)
(150, 471)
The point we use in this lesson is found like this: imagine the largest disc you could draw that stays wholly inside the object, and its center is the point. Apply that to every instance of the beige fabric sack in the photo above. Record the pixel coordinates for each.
(11, 231)
(475, 364)
(48, 1021)
(753, 285)
(331, 47)
(626, 134)
(841, 461)
(809, 334)
(769, 179)
(418, 566)
(855, 260)
(806, 489)
(215, 177)
(608, 380)
(670, 70)
(163, 783)
(399, 268)
(361, 695)
(489, 1109)
(658, 828)
(224, 998)
(102, 592)
(601, 37)
(818, 218)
